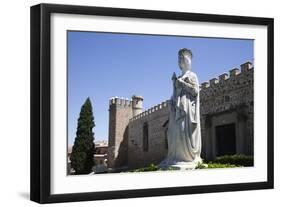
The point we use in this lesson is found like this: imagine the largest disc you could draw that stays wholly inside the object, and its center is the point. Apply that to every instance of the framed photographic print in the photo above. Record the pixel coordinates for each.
(132, 103)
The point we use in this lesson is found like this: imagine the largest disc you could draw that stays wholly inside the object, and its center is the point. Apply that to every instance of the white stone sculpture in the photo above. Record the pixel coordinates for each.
(184, 133)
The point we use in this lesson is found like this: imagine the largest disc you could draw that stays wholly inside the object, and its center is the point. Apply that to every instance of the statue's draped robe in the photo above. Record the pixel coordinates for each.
(184, 133)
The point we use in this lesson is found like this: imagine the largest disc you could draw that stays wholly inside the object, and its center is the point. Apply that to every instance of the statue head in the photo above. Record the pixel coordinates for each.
(185, 56)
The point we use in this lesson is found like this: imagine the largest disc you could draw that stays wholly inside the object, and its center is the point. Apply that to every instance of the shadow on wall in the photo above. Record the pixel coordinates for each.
(122, 158)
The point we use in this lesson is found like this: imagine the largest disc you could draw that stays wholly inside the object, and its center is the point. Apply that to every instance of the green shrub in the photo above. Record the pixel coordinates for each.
(214, 165)
(242, 160)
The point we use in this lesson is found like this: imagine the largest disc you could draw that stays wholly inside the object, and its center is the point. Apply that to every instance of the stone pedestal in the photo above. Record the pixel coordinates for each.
(179, 165)
(184, 166)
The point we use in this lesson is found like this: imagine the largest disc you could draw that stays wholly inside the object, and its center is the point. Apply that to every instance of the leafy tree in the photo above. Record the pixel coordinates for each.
(82, 156)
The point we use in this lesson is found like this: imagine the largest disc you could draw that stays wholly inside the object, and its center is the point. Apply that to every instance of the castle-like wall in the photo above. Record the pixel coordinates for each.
(228, 90)
(225, 100)
(228, 99)
(155, 119)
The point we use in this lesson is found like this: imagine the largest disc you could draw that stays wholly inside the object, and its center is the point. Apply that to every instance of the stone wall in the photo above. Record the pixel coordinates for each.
(228, 100)
(156, 119)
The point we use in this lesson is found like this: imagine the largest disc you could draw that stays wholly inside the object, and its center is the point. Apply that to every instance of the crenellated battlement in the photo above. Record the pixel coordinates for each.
(234, 74)
(120, 101)
(151, 110)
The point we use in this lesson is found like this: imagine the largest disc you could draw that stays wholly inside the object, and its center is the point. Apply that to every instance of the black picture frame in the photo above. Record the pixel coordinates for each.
(41, 99)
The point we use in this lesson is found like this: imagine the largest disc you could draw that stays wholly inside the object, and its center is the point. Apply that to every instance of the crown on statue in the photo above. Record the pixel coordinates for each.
(185, 52)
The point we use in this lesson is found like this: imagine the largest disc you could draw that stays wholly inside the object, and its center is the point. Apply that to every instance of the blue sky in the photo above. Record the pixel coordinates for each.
(104, 65)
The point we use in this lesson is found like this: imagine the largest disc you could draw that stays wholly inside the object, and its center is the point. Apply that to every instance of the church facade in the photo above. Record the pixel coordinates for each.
(138, 138)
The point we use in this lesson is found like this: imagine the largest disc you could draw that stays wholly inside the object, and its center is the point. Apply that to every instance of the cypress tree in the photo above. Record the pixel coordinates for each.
(82, 156)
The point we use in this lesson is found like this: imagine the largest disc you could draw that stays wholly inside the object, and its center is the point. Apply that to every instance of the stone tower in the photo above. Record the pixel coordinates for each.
(120, 112)
(137, 104)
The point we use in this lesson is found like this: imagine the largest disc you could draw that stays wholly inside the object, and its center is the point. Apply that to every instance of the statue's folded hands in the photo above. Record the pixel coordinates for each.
(191, 88)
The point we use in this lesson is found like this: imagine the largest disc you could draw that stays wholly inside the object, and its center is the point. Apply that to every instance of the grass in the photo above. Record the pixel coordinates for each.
(227, 161)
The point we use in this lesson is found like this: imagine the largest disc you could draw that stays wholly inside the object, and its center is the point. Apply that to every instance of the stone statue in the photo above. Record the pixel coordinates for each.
(184, 133)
